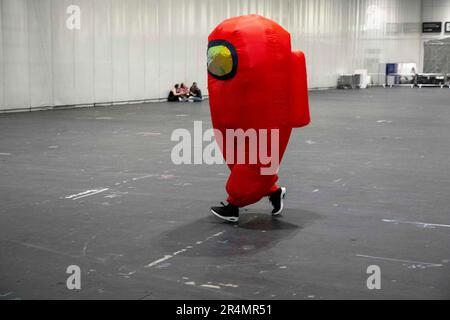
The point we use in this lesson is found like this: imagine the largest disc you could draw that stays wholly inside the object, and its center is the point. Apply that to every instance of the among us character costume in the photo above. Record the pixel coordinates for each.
(255, 81)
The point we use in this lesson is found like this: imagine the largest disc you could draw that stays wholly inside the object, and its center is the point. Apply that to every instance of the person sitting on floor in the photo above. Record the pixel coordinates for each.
(175, 94)
(184, 91)
(196, 93)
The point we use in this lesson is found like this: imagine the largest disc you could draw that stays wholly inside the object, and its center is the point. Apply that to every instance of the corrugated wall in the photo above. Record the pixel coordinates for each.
(136, 49)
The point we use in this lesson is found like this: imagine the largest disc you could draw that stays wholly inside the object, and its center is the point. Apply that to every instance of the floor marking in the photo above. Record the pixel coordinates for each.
(86, 194)
(79, 194)
(154, 263)
(229, 285)
(185, 249)
(86, 244)
(33, 246)
(400, 260)
(422, 224)
(148, 133)
(127, 275)
(5, 295)
(92, 192)
(145, 177)
(116, 195)
(5, 154)
(215, 235)
(166, 176)
(210, 286)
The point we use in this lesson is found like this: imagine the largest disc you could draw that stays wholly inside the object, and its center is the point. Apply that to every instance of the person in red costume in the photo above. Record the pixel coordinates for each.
(256, 83)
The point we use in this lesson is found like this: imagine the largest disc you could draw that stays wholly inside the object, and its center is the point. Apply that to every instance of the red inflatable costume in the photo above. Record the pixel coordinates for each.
(255, 82)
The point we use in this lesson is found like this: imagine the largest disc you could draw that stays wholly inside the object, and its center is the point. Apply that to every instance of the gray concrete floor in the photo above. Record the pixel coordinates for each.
(368, 184)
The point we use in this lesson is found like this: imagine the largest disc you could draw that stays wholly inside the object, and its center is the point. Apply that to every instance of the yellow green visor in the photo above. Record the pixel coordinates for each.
(222, 60)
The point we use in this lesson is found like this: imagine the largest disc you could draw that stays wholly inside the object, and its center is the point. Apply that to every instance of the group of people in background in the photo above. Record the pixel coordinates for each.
(181, 93)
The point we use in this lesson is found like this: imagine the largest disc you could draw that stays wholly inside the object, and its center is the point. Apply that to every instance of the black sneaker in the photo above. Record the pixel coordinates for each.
(227, 212)
(277, 200)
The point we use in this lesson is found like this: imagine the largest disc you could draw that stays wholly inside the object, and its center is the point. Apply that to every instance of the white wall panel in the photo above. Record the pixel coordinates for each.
(434, 11)
(84, 53)
(180, 39)
(63, 56)
(137, 49)
(152, 45)
(16, 86)
(40, 52)
(2, 60)
(120, 50)
(167, 37)
(102, 38)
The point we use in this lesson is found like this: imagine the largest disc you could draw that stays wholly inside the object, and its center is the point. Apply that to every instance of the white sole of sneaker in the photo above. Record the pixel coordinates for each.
(283, 196)
(229, 219)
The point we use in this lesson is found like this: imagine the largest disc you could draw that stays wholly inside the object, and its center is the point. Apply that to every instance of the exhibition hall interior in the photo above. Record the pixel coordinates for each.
(122, 175)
